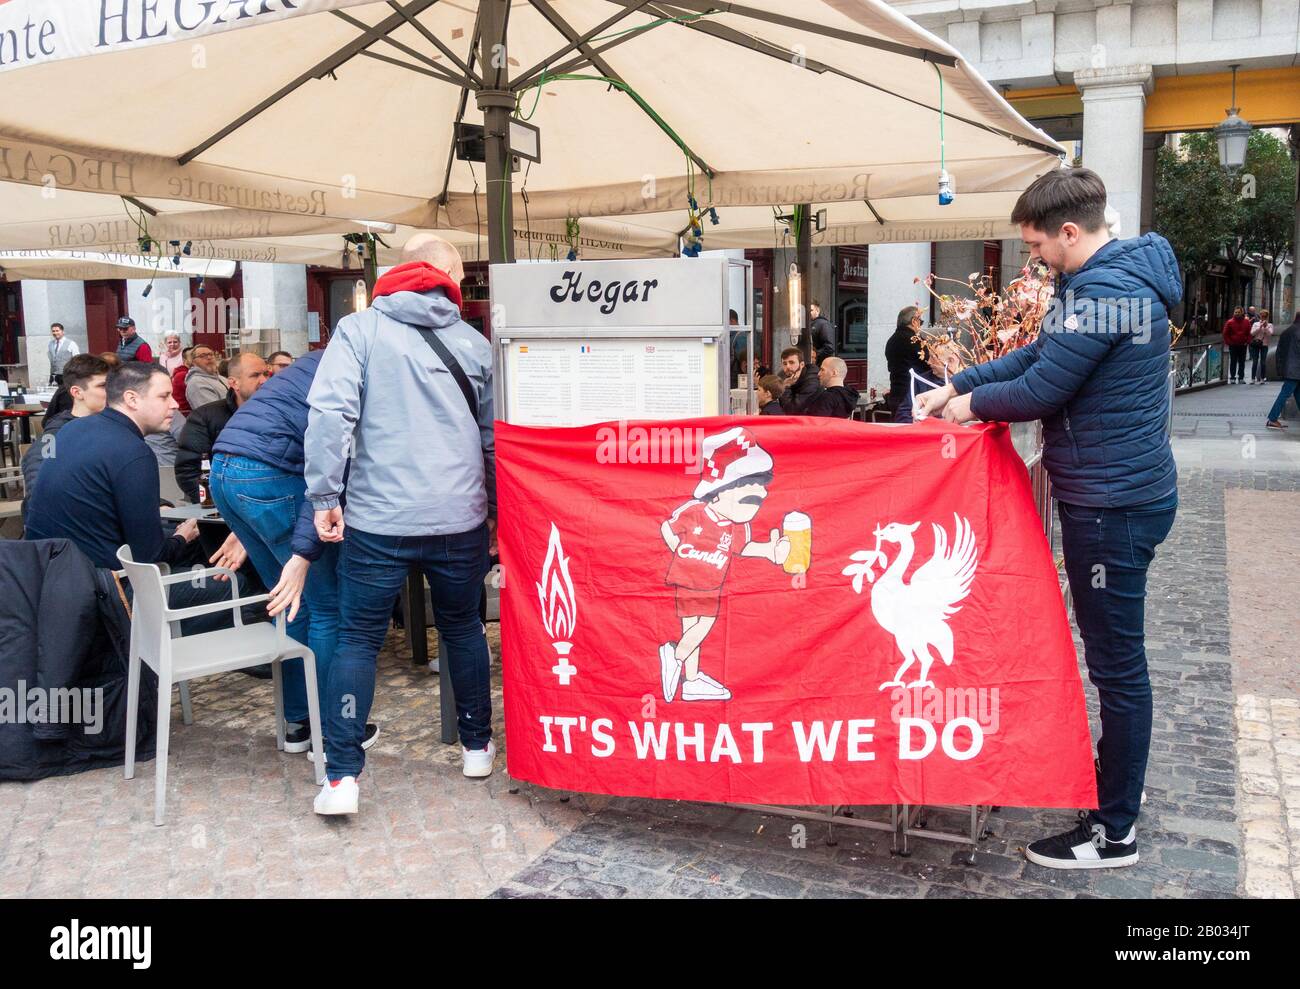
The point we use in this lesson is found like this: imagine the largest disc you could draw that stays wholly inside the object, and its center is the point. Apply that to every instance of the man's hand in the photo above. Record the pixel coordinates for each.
(329, 525)
(958, 410)
(231, 555)
(492, 537)
(288, 592)
(931, 403)
(188, 530)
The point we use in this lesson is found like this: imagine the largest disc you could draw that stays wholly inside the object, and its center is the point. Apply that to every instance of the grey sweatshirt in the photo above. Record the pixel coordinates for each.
(202, 387)
(422, 465)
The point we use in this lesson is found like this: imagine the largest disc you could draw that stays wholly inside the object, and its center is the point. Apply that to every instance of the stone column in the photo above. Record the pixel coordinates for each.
(1114, 101)
(892, 270)
(46, 302)
(275, 298)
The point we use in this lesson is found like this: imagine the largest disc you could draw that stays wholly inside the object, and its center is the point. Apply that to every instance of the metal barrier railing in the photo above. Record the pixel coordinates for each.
(1198, 365)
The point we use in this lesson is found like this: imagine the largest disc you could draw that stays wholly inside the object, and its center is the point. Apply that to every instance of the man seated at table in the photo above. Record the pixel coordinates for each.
(799, 378)
(84, 377)
(834, 399)
(245, 373)
(101, 492)
(769, 391)
(203, 381)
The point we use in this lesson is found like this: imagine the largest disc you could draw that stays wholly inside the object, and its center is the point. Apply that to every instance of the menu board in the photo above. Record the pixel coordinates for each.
(576, 382)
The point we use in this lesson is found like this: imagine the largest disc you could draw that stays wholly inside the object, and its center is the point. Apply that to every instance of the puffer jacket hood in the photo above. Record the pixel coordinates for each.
(1131, 268)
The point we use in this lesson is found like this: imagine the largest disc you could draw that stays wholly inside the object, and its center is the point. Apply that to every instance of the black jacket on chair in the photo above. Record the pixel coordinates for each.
(64, 631)
(197, 440)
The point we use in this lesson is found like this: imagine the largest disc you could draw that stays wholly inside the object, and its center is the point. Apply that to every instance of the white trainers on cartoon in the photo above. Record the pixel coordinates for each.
(670, 668)
(704, 688)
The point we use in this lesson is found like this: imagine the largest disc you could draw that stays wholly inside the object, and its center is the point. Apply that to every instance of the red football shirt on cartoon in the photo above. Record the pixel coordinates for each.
(708, 542)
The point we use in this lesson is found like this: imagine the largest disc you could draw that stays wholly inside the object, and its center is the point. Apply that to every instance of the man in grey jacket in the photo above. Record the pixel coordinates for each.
(203, 382)
(402, 403)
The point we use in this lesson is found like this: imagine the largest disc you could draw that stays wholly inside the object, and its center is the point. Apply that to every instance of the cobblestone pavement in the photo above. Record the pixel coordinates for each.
(1221, 818)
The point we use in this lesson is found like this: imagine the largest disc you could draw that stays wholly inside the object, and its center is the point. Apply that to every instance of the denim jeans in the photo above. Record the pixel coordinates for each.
(1107, 553)
(372, 569)
(1286, 391)
(260, 503)
(1258, 360)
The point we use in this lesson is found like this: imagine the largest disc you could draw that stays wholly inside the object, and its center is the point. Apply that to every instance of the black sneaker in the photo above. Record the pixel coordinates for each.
(1086, 847)
(372, 735)
(297, 738)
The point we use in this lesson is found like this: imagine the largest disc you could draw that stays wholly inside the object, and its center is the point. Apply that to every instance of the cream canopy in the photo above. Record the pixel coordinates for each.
(90, 265)
(339, 109)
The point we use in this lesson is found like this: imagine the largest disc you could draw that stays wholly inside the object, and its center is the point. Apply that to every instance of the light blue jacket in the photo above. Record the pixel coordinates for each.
(422, 464)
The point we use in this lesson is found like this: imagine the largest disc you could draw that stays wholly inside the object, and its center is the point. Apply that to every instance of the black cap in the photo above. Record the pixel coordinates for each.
(124, 322)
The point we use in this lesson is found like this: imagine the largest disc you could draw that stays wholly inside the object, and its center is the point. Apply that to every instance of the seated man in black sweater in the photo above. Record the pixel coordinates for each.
(101, 492)
(835, 399)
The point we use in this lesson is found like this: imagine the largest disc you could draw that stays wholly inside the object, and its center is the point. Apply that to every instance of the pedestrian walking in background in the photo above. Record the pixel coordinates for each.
(1288, 369)
(1261, 333)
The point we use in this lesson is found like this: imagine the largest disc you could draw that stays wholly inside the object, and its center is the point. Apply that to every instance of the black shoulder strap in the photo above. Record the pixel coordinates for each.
(453, 365)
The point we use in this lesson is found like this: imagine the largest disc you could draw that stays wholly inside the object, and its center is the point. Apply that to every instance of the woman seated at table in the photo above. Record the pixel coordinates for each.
(257, 482)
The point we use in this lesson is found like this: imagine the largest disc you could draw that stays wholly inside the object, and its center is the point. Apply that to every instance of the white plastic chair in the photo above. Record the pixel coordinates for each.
(180, 658)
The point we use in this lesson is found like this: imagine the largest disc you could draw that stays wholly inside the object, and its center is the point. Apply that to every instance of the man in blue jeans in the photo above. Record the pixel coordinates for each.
(404, 396)
(1288, 369)
(257, 482)
(1098, 378)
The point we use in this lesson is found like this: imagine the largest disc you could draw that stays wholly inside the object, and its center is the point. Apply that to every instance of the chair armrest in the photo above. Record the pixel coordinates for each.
(194, 611)
(180, 578)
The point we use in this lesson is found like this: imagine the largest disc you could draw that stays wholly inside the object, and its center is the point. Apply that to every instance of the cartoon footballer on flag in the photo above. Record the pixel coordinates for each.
(702, 535)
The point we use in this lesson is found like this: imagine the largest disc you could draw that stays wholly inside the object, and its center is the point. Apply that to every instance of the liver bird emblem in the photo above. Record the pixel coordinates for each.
(916, 613)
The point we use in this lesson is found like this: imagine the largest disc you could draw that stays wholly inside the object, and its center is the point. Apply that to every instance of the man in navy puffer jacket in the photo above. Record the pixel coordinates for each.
(257, 482)
(1098, 378)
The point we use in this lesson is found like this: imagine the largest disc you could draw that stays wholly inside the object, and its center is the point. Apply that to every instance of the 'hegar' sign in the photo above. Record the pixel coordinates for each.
(573, 288)
(661, 294)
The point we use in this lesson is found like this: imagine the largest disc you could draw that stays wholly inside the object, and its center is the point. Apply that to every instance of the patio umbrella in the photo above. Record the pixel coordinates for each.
(90, 265)
(639, 106)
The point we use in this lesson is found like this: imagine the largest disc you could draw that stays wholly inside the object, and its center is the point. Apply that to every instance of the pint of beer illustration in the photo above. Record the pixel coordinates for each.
(797, 528)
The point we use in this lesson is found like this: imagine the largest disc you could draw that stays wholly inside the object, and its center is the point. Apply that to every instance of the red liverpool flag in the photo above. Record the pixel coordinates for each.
(787, 611)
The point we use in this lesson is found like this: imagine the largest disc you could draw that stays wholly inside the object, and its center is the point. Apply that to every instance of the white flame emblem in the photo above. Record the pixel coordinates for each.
(559, 606)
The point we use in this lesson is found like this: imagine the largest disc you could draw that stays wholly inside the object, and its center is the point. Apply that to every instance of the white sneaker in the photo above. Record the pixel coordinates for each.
(670, 670)
(433, 665)
(338, 797)
(704, 688)
(478, 762)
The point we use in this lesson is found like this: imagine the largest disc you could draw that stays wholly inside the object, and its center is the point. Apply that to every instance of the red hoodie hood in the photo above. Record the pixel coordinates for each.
(417, 276)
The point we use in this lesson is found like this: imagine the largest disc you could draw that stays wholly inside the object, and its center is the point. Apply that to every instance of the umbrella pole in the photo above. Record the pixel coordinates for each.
(497, 104)
(803, 255)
